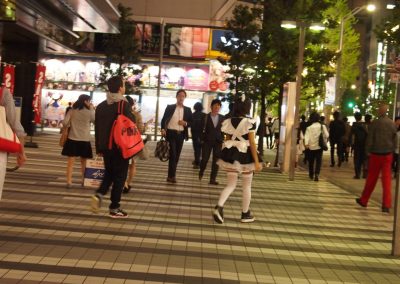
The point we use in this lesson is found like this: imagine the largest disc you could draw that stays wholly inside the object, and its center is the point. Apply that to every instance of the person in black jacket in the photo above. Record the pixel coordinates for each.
(358, 139)
(336, 133)
(212, 141)
(196, 128)
(174, 126)
(116, 167)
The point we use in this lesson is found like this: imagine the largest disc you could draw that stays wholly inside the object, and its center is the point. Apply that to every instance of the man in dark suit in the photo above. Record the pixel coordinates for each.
(212, 141)
(174, 126)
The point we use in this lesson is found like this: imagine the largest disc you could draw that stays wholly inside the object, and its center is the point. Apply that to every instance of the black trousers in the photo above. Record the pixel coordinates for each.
(339, 151)
(116, 169)
(215, 148)
(314, 162)
(175, 140)
(359, 160)
(196, 148)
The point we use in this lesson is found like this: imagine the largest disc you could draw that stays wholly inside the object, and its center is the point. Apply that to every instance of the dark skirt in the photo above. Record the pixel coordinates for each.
(230, 155)
(73, 148)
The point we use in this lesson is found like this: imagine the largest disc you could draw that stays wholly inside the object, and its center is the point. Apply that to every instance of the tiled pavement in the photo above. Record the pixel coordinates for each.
(305, 232)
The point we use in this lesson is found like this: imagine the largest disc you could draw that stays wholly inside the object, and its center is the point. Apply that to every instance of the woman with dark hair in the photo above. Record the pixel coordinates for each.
(311, 141)
(78, 120)
(238, 156)
(196, 129)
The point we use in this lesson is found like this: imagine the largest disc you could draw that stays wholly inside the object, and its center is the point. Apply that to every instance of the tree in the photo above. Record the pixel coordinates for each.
(122, 49)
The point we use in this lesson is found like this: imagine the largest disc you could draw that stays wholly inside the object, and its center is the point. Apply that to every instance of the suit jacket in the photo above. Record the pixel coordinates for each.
(213, 134)
(169, 112)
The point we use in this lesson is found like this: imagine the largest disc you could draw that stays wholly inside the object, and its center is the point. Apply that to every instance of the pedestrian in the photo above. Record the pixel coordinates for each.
(367, 123)
(79, 119)
(270, 136)
(336, 132)
(7, 101)
(174, 126)
(346, 139)
(358, 138)
(275, 130)
(132, 161)
(303, 126)
(238, 156)
(116, 167)
(395, 163)
(69, 107)
(311, 141)
(381, 143)
(212, 139)
(196, 129)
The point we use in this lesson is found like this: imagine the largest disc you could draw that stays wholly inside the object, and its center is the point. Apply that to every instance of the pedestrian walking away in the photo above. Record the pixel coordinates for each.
(79, 119)
(238, 156)
(174, 126)
(311, 141)
(116, 166)
(196, 130)
(336, 133)
(358, 140)
(212, 138)
(381, 142)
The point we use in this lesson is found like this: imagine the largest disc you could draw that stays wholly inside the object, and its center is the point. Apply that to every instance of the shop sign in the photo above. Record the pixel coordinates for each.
(9, 77)
(39, 80)
(214, 85)
(196, 78)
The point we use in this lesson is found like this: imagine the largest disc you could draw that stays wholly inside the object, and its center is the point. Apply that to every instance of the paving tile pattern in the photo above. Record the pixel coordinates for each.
(305, 231)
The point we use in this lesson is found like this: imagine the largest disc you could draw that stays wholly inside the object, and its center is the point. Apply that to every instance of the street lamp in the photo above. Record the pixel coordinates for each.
(369, 8)
(300, 60)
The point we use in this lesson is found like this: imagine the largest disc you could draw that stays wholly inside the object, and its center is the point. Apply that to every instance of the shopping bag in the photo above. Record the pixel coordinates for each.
(94, 172)
(9, 141)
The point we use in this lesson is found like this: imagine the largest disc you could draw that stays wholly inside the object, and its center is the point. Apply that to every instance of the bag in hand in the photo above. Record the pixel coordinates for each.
(322, 141)
(162, 150)
(9, 141)
(64, 136)
(94, 172)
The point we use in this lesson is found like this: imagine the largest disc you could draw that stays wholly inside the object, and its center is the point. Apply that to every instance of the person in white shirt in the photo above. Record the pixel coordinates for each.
(311, 141)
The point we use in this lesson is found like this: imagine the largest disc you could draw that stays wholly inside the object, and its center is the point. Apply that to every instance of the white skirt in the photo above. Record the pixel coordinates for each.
(236, 166)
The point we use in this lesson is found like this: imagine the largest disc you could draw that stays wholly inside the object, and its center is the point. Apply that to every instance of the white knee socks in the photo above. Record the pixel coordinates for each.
(246, 194)
(230, 187)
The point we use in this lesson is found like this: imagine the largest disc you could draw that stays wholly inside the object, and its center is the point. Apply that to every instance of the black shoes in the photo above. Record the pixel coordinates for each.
(356, 177)
(247, 217)
(218, 214)
(200, 175)
(171, 180)
(385, 210)
(316, 178)
(214, 182)
(358, 200)
(126, 189)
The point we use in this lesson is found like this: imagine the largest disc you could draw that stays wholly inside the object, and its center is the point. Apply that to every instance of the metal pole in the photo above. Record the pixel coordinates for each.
(160, 62)
(339, 63)
(293, 150)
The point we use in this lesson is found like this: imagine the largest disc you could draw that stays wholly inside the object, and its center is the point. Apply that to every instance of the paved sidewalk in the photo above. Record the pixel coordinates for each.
(305, 231)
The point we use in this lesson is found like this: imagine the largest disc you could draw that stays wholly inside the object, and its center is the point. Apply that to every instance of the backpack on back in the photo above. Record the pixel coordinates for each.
(125, 135)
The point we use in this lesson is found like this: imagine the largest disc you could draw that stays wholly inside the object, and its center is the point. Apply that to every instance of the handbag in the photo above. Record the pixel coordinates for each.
(162, 150)
(94, 172)
(9, 141)
(65, 130)
(322, 141)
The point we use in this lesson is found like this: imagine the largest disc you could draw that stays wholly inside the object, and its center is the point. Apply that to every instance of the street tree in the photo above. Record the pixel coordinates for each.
(122, 50)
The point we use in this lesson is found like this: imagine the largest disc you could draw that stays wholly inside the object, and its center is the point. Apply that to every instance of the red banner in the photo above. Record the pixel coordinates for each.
(36, 103)
(9, 77)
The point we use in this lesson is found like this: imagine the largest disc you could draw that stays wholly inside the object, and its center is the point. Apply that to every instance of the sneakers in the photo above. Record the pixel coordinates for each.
(118, 213)
(218, 214)
(96, 202)
(247, 217)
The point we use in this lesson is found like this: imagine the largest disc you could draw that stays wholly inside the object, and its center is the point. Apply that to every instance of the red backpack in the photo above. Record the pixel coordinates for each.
(125, 135)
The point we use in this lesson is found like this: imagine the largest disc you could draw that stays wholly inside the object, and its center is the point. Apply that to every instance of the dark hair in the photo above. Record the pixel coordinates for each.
(345, 119)
(241, 108)
(367, 117)
(181, 91)
(131, 101)
(80, 103)
(322, 118)
(303, 117)
(198, 106)
(216, 101)
(358, 116)
(314, 117)
(336, 115)
(396, 118)
(114, 84)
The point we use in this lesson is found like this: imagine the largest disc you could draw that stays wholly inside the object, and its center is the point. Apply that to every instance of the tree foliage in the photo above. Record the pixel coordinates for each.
(122, 49)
